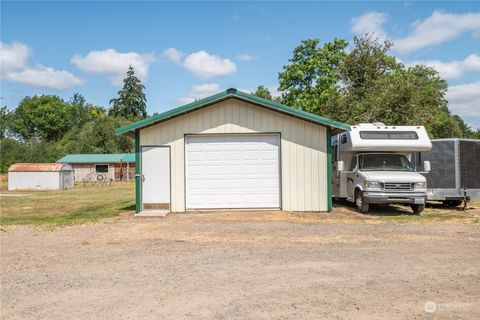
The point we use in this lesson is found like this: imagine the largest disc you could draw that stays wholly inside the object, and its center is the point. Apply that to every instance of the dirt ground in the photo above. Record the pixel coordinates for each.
(241, 265)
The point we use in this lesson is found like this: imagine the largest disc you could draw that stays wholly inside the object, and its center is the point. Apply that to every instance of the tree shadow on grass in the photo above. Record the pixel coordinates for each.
(375, 209)
(441, 206)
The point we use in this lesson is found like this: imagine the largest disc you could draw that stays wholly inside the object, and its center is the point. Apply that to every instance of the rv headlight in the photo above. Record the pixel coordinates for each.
(420, 185)
(371, 184)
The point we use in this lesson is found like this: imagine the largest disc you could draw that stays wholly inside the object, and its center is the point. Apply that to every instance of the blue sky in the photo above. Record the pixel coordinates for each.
(187, 50)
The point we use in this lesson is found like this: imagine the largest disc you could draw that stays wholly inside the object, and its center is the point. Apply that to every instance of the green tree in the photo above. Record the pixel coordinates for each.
(43, 117)
(5, 118)
(263, 92)
(475, 135)
(131, 101)
(366, 63)
(11, 151)
(312, 75)
(14, 151)
(80, 109)
(377, 88)
(97, 136)
(466, 130)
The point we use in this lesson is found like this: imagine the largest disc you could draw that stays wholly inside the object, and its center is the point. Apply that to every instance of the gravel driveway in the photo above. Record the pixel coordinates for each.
(233, 265)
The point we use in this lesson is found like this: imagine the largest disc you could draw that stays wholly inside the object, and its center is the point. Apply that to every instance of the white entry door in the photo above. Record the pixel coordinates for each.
(232, 171)
(156, 177)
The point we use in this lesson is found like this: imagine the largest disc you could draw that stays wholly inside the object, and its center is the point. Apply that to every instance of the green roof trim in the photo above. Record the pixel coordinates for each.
(232, 93)
(98, 158)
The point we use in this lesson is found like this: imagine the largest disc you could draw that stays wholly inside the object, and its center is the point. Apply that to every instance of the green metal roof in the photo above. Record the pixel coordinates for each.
(98, 158)
(232, 93)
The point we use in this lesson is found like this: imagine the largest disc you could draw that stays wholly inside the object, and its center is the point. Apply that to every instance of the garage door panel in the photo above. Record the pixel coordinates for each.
(232, 171)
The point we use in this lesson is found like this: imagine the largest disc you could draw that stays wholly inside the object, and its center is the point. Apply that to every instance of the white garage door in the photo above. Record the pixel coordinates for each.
(232, 171)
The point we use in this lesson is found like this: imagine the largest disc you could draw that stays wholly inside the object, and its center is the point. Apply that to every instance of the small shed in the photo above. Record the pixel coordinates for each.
(42, 176)
(115, 166)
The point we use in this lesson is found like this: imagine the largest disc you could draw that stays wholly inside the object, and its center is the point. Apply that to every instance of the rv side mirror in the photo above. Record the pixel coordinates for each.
(340, 166)
(426, 166)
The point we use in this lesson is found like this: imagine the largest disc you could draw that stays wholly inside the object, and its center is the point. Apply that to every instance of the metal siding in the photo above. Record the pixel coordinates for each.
(442, 159)
(469, 154)
(303, 149)
(34, 180)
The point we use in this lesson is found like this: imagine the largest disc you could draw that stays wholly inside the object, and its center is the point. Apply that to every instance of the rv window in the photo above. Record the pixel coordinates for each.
(353, 164)
(384, 162)
(389, 135)
(343, 139)
(101, 168)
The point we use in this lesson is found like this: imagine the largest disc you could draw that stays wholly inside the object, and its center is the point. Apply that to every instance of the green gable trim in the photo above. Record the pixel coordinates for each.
(232, 93)
(138, 175)
(98, 158)
(329, 170)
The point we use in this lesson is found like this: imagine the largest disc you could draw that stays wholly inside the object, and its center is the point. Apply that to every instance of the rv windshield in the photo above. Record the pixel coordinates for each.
(384, 162)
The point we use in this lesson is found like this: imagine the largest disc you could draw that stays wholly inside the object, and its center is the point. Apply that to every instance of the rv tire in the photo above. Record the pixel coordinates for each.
(417, 208)
(360, 203)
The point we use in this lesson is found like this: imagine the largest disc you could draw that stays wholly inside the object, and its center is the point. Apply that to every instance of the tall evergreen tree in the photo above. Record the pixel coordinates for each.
(131, 102)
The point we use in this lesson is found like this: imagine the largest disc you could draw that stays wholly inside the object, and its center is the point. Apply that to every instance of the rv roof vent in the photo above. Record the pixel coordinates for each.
(381, 124)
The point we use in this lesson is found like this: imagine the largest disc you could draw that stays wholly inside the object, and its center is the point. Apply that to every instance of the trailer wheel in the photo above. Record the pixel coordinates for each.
(417, 208)
(360, 203)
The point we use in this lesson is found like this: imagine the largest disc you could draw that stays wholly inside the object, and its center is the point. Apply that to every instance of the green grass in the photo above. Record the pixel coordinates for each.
(433, 213)
(89, 204)
(64, 207)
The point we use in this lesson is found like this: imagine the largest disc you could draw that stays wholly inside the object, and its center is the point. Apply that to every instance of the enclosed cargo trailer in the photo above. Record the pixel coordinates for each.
(455, 170)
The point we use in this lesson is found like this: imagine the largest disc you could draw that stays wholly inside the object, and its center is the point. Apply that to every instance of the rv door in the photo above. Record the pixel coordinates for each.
(351, 174)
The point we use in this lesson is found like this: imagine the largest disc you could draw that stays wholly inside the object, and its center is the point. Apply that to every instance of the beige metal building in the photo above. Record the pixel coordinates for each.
(233, 150)
(112, 166)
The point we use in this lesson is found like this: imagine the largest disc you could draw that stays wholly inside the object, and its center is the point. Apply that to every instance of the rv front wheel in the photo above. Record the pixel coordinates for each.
(360, 202)
(417, 208)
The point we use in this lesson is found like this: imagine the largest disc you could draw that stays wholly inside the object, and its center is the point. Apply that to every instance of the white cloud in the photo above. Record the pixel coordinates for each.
(464, 100)
(173, 55)
(114, 64)
(205, 66)
(13, 56)
(202, 64)
(200, 91)
(274, 91)
(436, 29)
(14, 67)
(440, 27)
(245, 57)
(371, 23)
(41, 76)
(452, 70)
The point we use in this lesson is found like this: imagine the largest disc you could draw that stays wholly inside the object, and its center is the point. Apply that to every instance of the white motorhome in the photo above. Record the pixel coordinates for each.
(372, 165)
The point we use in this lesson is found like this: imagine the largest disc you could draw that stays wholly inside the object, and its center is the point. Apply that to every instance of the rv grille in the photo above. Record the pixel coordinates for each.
(398, 186)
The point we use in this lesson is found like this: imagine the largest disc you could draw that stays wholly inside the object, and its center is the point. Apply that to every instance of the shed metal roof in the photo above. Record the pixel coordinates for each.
(98, 158)
(39, 167)
(233, 93)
